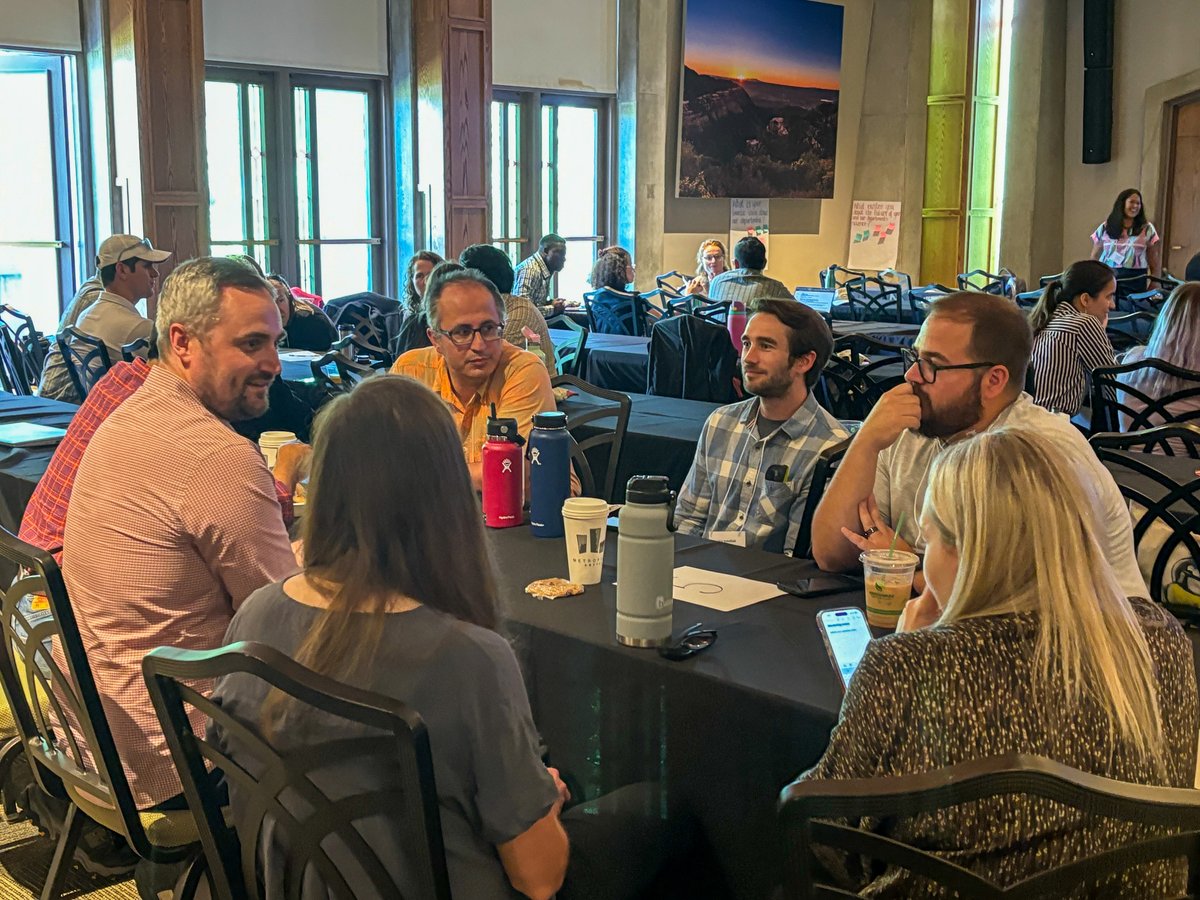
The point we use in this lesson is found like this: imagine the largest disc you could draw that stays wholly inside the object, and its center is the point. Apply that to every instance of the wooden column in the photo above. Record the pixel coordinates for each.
(156, 53)
(453, 51)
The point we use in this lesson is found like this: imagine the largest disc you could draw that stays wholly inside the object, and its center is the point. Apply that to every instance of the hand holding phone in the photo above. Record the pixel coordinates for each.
(846, 635)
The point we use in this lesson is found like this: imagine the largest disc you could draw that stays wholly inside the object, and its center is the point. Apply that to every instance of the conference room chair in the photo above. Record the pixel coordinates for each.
(135, 350)
(827, 462)
(1155, 474)
(672, 284)
(1002, 284)
(568, 348)
(692, 359)
(1150, 301)
(13, 377)
(714, 311)
(284, 800)
(618, 312)
(1129, 330)
(601, 443)
(830, 813)
(859, 372)
(349, 369)
(680, 306)
(1027, 300)
(86, 358)
(29, 345)
(1046, 279)
(1111, 396)
(836, 276)
(871, 299)
(367, 323)
(94, 785)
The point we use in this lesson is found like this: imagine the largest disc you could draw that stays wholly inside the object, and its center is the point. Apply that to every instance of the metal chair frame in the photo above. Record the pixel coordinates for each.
(1107, 408)
(827, 462)
(619, 409)
(568, 353)
(87, 367)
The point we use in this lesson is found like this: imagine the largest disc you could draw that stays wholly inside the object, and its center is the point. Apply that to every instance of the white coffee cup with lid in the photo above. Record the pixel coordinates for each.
(269, 443)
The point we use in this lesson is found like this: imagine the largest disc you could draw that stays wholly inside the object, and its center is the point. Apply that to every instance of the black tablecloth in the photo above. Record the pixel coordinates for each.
(724, 731)
(661, 438)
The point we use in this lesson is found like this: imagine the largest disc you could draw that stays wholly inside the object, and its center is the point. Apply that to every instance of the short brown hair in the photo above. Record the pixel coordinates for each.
(1000, 332)
(807, 331)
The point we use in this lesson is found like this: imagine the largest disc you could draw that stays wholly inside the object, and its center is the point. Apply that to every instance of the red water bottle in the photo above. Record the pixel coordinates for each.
(503, 474)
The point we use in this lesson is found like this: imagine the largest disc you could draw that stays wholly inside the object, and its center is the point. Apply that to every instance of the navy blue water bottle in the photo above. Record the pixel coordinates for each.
(549, 457)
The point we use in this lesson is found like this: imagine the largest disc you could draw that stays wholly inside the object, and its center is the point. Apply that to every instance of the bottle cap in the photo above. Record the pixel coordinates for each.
(648, 489)
(504, 429)
(550, 420)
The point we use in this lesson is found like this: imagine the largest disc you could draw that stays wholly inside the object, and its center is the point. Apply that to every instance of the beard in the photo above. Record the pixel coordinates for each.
(234, 405)
(768, 385)
(954, 417)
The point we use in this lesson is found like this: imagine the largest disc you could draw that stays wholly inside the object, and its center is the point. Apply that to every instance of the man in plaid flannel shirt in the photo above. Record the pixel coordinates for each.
(754, 463)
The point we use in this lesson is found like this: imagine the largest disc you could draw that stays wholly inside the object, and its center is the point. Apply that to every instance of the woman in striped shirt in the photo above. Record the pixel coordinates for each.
(1069, 339)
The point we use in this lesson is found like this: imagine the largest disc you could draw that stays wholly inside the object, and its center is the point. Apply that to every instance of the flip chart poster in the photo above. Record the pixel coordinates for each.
(874, 234)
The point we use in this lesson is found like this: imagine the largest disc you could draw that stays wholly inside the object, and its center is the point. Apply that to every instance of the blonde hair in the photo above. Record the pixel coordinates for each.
(1022, 527)
(704, 245)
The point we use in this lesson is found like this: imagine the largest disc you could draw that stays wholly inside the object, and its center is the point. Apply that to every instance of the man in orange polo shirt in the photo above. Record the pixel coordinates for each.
(471, 366)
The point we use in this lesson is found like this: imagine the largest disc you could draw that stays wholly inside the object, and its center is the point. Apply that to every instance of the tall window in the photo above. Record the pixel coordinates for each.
(40, 222)
(550, 158)
(295, 178)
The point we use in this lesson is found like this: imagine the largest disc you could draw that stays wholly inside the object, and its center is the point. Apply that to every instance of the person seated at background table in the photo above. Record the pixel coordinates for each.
(1175, 339)
(173, 519)
(471, 366)
(755, 459)
(710, 262)
(1069, 337)
(614, 270)
(745, 282)
(46, 513)
(112, 247)
(520, 315)
(967, 375)
(1192, 271)
(1128, 243)
(414, 333)
(1026, 642)
(304, 326)
(377, 608)
(531, 279)
(129, 273)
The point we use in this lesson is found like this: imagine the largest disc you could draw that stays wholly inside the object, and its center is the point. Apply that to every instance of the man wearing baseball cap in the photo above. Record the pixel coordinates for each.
(105, 306)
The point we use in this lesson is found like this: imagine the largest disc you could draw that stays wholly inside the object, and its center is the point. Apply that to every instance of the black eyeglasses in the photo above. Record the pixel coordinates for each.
(689, 643)
(928, 369)
(464, 335)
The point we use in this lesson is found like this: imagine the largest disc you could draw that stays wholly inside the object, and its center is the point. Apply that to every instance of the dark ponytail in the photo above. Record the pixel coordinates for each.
(1088, 276)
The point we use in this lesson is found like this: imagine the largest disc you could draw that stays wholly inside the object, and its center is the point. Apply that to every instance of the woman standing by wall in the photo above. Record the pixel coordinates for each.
(1128, 243)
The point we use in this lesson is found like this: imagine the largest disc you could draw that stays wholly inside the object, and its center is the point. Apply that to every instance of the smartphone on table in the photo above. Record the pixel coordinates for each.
(820, 586)
(846, 635)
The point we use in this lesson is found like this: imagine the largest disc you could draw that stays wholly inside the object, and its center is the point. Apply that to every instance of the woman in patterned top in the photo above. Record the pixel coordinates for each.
(710, 262)
(1025, 644)
(1069, 337)
(1128, 243)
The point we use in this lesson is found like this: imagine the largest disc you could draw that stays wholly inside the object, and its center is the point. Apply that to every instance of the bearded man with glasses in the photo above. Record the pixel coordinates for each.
(471, 366)
(966, 374)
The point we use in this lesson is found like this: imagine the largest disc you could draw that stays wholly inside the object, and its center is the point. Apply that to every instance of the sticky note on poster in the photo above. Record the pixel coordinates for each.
(874, 234)
(750, 217)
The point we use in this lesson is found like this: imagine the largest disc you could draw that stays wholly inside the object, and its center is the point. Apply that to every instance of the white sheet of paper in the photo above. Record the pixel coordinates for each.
(718, 591)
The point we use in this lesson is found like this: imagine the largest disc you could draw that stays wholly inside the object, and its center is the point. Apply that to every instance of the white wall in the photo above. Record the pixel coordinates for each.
(346, 36)
(1154, 42)
(566, 45)
(40, 25)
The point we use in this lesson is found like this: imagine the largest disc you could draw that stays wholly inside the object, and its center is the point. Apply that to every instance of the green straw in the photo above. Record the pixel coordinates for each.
(895, 534)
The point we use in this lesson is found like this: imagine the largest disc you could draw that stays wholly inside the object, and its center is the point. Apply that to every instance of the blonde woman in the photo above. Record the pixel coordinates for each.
(1024, 643)
(711, 261)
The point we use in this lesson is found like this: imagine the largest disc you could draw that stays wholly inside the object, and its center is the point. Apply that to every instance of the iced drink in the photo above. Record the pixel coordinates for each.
(888, 577)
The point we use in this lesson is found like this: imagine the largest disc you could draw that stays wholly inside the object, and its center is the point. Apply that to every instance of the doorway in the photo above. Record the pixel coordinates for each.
(1182, 237)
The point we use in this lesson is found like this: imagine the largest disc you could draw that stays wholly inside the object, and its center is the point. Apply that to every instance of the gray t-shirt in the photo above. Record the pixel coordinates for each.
(465, 683)
(902, 475)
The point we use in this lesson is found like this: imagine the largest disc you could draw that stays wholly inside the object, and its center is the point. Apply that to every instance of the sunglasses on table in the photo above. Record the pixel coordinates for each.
(689, 643)
(464, 335)
(928, 369)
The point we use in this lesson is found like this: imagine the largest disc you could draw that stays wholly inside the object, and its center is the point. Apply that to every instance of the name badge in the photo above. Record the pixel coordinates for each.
(737, 538)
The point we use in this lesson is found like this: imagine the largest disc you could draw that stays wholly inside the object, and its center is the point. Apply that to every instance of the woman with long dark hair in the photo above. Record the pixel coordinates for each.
(379, 605)
(1128, 243)
(416, 274)
(1069, 337)
(305, 327)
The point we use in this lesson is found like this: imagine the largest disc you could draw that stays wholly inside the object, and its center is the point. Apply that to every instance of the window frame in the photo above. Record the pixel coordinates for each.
(283, 240)
(68, 165)
(531, 101)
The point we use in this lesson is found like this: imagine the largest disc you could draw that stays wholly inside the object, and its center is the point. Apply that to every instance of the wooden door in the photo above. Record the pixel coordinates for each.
(1183, 189)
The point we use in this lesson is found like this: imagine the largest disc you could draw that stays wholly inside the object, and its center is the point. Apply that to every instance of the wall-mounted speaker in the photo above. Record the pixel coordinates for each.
(1098, 31)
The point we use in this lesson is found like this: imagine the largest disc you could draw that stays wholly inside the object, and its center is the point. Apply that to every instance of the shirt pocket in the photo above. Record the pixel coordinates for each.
(777, 498)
